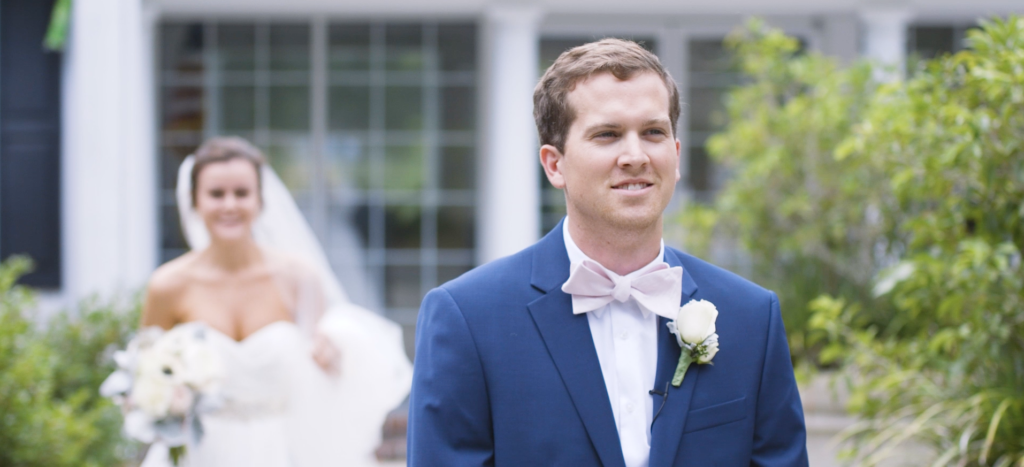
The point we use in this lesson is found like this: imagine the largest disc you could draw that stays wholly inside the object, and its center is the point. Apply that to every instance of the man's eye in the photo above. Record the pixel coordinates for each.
(656, 131)
(605, 134)
(217, 193)
(242, 193)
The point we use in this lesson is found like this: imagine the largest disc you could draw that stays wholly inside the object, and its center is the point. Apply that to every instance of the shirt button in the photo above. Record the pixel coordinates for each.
(624, 336)
(629, 407)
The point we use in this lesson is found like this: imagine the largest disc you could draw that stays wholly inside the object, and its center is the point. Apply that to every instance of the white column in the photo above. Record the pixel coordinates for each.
(885, 40)
(109, 212)
(509, 208)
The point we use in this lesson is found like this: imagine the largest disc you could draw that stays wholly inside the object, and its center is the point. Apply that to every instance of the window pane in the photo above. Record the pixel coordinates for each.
(709, 55)
(403, 167)
(933, 41)
(456, 46)
(236, 44)
(290, 159)
(356, 218)
(184, 111)
(349, 47)
(404, 47)
(447, 273)
(289, 107)
(171, 159)
(458, 108)
(550, 49)
(238, 106)
(289, 47)
(349, 108)
(455, 227)
(182, 47)
(171, 237)
(402, 226)
(403, 108)
(552, 213)
(701, 174)
(706, 109)
(347, 163)
(458, 168)
(403, 286)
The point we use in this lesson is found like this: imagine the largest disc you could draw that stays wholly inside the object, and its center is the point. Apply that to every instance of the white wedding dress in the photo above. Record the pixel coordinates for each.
(279, 408)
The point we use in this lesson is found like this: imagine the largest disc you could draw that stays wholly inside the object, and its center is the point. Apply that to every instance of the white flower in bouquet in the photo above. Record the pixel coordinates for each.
(152, 394)
(201, 368)
(163, 382)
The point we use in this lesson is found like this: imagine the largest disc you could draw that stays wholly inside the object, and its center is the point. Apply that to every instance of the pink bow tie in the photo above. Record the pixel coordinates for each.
(657, 287)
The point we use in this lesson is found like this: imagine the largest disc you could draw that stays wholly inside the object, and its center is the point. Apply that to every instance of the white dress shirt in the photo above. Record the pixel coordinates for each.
(626, 338)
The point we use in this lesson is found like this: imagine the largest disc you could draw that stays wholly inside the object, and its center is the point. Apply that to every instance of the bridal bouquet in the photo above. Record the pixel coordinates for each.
(164, 381)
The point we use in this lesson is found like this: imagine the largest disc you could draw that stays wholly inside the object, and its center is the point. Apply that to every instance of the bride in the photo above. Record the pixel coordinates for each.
(310, 376)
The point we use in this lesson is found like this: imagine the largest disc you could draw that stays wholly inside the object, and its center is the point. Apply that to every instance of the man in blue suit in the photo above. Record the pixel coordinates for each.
(561, 354)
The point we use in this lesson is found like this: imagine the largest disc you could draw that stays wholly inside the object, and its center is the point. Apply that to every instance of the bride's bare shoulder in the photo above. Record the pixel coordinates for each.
(287, 265)
(167, 286)
(173, 276)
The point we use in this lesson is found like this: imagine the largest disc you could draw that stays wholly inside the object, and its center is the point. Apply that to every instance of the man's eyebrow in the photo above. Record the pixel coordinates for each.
(656, 121)
(602, 126)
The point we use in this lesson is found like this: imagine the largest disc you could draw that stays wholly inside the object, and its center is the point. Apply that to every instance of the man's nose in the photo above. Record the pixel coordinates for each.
(633, 154)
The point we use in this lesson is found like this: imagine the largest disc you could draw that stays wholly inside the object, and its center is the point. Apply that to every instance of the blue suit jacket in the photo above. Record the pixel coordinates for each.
(505, 374)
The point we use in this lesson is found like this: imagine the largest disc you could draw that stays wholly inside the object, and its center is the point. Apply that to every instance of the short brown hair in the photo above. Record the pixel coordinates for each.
(621, 58)
(223, 149)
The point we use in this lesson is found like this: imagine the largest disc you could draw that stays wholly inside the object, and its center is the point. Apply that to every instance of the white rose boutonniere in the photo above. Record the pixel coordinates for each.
(694, 328)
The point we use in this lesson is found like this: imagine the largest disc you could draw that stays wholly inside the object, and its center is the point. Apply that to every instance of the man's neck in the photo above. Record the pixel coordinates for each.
(618, 249)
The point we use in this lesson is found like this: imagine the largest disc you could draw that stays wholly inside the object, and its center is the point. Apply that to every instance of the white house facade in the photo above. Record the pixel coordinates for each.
(403, 128)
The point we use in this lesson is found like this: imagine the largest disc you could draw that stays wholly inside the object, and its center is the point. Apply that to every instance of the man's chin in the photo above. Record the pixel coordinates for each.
(635, 221)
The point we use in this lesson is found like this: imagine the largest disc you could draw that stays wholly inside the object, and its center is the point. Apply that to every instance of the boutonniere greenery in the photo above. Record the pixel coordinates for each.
(694, 328)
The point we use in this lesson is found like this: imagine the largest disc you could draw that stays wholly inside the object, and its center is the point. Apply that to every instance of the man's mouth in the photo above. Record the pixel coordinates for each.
(632, 186)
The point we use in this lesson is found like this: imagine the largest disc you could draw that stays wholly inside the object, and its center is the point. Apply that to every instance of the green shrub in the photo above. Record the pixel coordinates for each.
(51, 413)
(951, 141)
(808, 222)
(890, 218)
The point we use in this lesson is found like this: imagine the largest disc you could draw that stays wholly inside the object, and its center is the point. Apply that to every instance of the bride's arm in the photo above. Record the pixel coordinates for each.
(158, 309)
(308, 305)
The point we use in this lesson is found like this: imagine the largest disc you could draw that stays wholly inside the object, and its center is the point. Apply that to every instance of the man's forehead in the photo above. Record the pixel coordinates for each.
(603, 83)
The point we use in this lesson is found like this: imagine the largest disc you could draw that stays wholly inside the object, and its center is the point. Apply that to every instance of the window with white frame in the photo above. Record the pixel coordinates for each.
(372, 126)
(928, 41)
(711, 74)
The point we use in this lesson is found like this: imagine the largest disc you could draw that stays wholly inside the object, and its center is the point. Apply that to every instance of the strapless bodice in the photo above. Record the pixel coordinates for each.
(258, 369)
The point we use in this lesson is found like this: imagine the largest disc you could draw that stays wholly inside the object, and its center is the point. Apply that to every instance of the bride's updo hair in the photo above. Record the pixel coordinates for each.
(223, 149)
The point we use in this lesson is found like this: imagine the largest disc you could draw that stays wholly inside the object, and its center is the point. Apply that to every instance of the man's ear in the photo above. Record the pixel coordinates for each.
(551, 159)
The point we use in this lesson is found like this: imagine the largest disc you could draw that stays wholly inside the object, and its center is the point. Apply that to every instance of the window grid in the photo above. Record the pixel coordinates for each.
(396, 158)
(710, 76)
(929, 41)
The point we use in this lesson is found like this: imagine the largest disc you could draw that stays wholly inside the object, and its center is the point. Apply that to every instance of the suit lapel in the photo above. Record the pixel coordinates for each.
(667, 430)
(568, 341)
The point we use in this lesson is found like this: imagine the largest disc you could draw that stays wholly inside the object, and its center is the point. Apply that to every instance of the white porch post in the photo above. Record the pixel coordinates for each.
(885, 40)
(509, 184)
(108, 177)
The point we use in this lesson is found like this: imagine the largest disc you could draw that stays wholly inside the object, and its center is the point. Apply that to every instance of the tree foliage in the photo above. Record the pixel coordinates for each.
(950, 141)
(891, 220)
(51, 413)
(808, 222)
